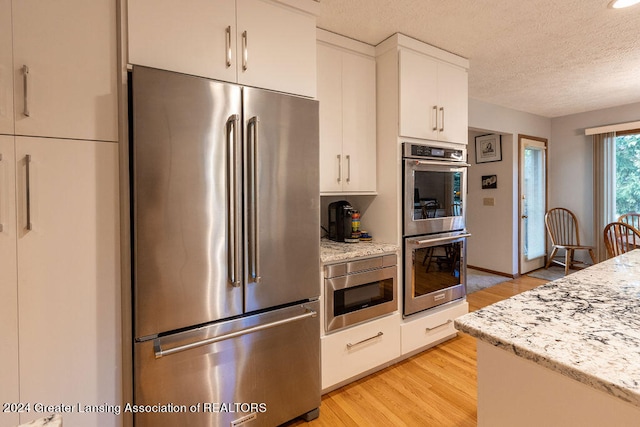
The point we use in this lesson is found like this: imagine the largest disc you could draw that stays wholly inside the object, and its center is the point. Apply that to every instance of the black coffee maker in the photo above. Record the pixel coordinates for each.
(340, 220)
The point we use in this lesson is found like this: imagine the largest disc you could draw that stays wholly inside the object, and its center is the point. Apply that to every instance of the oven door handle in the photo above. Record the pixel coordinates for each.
(438, 163)
(439, 239)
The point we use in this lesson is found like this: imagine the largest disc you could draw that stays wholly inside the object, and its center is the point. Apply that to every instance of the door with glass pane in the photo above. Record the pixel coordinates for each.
(533, 196)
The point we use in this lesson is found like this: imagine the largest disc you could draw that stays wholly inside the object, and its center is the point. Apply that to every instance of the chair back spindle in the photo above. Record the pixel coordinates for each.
(631, 218)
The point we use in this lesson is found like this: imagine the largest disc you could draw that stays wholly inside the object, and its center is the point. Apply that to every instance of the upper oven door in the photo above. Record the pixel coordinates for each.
(434, 196)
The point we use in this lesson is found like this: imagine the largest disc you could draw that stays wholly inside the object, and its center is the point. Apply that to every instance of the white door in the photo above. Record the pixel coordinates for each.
(453, 98)
(69, 86)
(330, 98)
(359, 122)
(8, 284)
(276, 47)
(6, 68)
(160, 37)
(418, 96)
(68, 274)
(533, 196)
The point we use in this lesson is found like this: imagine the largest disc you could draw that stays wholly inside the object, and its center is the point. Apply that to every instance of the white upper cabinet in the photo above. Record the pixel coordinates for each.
(347, 95)
(63, 69)
(6, 69)
(276, 47)
(196, 37)
(433, 98)
(261, 43)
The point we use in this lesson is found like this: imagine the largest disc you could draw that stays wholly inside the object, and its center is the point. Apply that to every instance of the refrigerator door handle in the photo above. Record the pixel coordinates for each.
(233, 208)
(254, 214)
(159, 352)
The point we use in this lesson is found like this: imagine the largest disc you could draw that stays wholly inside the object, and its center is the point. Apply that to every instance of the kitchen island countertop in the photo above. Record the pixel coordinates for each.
(331, 251)
(585, 326)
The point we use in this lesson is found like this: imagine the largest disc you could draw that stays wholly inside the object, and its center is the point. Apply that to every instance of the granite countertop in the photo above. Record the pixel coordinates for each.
(585, 326)
(331, 251)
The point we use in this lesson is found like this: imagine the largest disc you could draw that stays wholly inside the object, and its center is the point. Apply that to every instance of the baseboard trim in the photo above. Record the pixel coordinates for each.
(499, 273)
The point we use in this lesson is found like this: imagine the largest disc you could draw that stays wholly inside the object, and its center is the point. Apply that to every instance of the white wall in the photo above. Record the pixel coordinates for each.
(491, 226)
(494, 241)
(570, 160)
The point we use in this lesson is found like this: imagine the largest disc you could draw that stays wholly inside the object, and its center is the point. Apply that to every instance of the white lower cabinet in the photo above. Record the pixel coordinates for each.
(9, 389)
(63, 264)
(349, 353)
(422, 330)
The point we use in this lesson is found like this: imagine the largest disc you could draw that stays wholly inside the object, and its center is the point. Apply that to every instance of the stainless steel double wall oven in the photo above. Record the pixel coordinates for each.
(434, 229)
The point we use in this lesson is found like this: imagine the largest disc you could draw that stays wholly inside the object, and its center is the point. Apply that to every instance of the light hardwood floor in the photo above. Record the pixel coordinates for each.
(434, 388)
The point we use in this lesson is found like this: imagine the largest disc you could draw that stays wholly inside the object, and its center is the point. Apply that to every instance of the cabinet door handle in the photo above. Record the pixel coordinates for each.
(25, 81)
(348, 168)
(378, 335)
(442, 111)
(228, 45)
(28, 190)
(339, 168)
(435, 118)
(245, 53)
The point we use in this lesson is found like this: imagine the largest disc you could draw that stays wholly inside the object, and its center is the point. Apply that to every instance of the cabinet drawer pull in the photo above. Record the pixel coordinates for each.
(228, 43)
(439, 326)
(25, 81)
(442, 127)
(378, 335)
(339, 168)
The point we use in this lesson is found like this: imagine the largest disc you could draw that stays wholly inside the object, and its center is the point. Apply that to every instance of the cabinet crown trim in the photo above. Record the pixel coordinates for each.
(337, 40)
(399, 41)
(311, 7)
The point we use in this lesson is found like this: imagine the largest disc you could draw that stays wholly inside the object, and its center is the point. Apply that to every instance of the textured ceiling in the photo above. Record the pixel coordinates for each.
(551, 58)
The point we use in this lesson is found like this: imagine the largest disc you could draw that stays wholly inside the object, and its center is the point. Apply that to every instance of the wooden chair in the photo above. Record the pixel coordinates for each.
(631, 218)
(562, 226)
(620, 237)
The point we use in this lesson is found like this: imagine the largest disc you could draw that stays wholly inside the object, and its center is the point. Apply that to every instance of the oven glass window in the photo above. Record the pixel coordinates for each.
(436, 268)
(437, 194)
(363, 296)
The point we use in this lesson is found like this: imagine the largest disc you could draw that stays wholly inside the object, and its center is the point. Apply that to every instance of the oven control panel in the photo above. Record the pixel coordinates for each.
(420, 151)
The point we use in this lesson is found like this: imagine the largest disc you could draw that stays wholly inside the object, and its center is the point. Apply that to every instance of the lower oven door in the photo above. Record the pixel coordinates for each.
(435, 270)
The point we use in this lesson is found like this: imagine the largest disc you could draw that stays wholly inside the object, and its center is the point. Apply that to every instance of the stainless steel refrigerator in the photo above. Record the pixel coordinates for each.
(226, 275)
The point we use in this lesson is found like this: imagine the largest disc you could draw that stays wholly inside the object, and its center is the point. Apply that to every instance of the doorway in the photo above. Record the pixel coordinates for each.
(533, 202)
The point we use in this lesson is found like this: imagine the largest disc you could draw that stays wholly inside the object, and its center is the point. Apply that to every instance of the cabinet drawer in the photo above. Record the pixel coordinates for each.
(356, 350)
(430, 327)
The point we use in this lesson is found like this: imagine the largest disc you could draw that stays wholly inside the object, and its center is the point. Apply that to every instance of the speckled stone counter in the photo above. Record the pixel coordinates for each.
(585, 326)
(331, 251)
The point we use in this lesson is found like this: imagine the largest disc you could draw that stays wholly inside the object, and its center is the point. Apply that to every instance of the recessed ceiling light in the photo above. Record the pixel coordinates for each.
(619, 4)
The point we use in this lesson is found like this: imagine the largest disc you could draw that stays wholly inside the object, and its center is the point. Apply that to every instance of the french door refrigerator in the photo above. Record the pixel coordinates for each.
(226, 275)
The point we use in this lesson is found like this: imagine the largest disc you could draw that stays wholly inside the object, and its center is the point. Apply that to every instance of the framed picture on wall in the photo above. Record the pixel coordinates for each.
(488, 148)
(489, 181)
